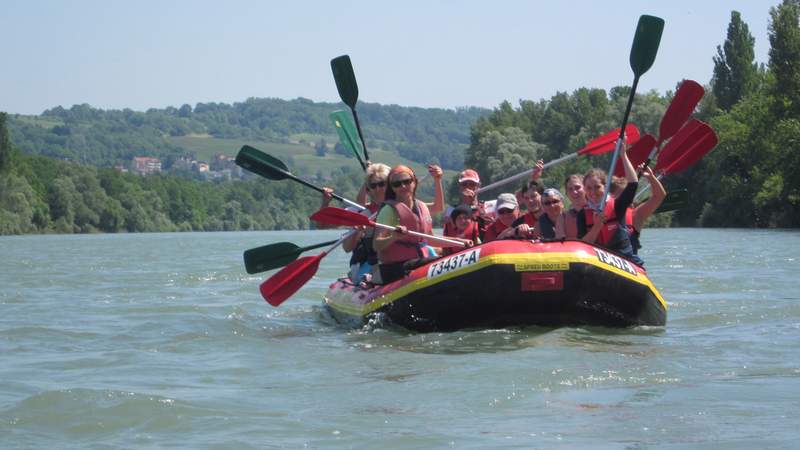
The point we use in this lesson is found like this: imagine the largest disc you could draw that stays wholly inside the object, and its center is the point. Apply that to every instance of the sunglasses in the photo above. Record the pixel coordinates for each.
(468, 184)
(504, 211)
(376, 185)
(398, 183)
(551, 203)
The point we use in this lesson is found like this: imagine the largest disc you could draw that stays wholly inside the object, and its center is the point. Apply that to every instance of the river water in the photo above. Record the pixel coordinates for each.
(163, 341)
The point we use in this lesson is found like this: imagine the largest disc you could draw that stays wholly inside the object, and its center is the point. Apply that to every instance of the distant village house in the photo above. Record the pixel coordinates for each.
(144, 165)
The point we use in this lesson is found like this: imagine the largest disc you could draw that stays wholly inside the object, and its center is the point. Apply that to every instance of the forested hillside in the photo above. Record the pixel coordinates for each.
(106, 138)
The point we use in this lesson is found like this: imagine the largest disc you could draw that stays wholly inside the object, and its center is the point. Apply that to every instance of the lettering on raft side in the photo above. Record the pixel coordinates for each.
(454, 262)
(615, 261)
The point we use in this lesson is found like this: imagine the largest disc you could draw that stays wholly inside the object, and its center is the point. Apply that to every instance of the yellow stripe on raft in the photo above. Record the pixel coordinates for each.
(523, 262)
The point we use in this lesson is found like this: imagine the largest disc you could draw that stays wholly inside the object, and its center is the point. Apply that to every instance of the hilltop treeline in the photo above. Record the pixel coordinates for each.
(106, 138)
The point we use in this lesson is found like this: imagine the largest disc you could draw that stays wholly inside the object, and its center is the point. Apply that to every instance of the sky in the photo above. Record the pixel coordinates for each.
(115, 54)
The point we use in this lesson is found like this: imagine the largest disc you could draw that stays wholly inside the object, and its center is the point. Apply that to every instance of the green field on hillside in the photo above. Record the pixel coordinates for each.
(300, 157)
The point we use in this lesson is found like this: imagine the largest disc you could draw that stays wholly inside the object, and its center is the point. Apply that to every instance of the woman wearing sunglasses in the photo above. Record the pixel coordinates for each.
(360, 243)
(610, 227)
(397, 251)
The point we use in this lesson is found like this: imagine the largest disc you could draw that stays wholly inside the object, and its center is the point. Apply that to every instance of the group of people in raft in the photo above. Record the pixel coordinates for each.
(381, 256)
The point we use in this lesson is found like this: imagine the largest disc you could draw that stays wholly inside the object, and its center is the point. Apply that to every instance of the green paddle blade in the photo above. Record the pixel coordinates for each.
(645, 43)
(261, 163)
(345, 80)
(272, 256)
(673, 201)
(346, 129)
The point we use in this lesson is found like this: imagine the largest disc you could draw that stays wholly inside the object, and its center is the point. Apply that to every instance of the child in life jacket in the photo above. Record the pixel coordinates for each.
(465, 227)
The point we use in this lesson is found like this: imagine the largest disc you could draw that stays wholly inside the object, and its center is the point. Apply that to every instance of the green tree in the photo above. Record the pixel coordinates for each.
(501, 153)
(735, 72)
(5, 144)
(784, 57)
(321, 148)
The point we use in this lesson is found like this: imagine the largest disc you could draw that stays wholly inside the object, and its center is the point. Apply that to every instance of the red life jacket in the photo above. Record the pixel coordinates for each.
(610, 227)
(494, 230)
(471, 232)
(408, 247)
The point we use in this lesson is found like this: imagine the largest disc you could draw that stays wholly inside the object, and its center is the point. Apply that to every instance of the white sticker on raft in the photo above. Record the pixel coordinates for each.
(454, 262)
(615, 261)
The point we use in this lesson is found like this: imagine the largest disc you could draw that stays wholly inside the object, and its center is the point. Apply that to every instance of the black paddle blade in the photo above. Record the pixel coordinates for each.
(645, 43)
(272, 256)
(673, 201)
(260, 163)
(268, 257)
(345, 80)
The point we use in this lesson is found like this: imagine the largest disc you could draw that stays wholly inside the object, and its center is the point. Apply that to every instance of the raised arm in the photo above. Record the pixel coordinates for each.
(438, 202)
(643, 211)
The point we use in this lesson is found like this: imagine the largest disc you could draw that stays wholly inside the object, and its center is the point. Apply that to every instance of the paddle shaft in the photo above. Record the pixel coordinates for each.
(322, 191)
(619, 141)
(360, 133)
(646, 188)
(527, 173)
(427, 237)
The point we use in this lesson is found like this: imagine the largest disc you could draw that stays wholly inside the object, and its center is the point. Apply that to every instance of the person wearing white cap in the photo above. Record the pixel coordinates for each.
(507, 209)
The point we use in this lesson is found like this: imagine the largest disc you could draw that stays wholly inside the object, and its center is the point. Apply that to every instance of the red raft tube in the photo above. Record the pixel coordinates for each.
(509, 283)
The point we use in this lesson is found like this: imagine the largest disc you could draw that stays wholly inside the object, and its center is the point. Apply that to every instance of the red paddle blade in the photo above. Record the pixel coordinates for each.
(701, 147)
(340, 217)
(682, 106)
(290, 279)
(638, 154)
(607, 142)
(682, 141)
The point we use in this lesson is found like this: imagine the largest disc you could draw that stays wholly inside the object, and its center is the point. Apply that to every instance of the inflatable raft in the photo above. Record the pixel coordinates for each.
(509, 283)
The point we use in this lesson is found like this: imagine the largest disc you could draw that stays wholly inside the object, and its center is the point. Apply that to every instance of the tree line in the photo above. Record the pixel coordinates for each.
(752, 177)
(105, 138)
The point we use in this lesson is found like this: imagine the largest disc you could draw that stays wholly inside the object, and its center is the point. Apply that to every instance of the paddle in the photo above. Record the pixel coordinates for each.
(347, 133)
(643, 54)
(597, 146)
(698, 150)
(691, 133)
(693, 147)
(277, 288)
(272, 256)
(342, 217)
(674, 200)
(272, 168)
(637, 153)
(680, 108)
(348, 90)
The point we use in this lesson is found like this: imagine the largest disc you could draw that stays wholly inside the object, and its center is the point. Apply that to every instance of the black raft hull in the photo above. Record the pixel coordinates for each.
(509, 283)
